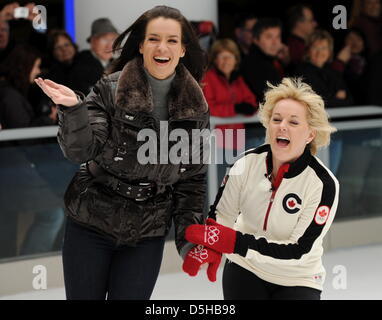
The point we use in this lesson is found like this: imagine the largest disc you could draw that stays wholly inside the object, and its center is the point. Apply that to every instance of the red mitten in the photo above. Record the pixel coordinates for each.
(198, 256)
(212, 222)
(213, 235)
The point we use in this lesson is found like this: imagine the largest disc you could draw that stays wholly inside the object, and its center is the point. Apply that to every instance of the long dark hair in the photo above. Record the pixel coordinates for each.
(17, 67)
(195, 59)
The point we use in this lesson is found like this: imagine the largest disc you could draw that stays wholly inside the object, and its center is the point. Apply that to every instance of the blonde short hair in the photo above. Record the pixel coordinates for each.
(294, 88)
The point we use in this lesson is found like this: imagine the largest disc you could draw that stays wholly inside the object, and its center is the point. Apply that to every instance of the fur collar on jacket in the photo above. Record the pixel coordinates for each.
(133, 93)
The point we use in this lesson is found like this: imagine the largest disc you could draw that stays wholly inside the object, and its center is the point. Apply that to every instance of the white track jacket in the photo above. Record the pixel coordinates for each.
(281, 225)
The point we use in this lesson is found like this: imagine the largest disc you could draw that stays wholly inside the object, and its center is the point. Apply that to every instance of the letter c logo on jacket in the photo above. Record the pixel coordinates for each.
(292, 203)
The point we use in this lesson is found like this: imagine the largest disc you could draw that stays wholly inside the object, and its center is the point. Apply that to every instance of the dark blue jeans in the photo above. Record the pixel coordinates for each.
(96, 268)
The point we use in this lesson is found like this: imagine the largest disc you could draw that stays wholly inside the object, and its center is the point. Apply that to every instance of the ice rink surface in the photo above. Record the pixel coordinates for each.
(352, 274)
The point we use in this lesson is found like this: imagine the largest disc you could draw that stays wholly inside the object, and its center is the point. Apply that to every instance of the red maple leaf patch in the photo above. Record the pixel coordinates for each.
(291, 203)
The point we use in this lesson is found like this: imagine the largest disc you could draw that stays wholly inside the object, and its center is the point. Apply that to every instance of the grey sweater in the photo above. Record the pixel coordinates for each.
(160, 89)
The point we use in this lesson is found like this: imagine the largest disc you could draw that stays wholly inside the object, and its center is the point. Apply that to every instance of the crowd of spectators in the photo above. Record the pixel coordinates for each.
(269, 49)
(26, 54)
(346, 77)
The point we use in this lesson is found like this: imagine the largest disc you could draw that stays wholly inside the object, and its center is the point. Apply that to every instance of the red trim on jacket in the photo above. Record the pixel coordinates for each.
(279, 177)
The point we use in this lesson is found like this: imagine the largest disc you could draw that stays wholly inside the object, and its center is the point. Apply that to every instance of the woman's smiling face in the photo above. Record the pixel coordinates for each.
(162, 47)
(289, 131)
(319, 52)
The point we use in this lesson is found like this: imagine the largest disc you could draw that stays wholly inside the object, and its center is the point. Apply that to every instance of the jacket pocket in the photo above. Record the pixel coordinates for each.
(76, 192)
(123, 154)
(162, 213)
(102, 208)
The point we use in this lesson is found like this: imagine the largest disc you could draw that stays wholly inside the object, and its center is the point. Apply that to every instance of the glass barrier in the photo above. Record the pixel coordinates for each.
(356, 158)
(34, 175)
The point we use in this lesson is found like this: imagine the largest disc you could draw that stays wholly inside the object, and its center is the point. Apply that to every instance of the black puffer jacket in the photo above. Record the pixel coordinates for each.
(104, 128)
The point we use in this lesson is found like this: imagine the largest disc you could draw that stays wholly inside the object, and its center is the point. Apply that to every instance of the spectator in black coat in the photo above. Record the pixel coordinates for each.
(301, 24)
(63, 54)
(17, 73)
(352, 62)
(318, 73)
(265, 59)
(374, 82)
(90, 64)
(367, 16)
(244, 24)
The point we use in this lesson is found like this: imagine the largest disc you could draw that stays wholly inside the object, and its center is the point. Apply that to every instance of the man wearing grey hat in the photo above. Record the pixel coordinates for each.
(102, 36)
(91, 63)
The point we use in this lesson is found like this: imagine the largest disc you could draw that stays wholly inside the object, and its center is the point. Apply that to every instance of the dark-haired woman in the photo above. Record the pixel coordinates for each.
(119, 209)
(63, 52)
(17, 73)
(62, 59)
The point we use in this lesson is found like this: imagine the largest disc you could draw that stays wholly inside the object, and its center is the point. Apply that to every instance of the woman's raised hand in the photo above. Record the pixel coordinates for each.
(58, 93)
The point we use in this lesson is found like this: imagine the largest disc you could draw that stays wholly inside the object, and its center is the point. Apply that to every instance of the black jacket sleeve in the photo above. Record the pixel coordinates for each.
(84, 128)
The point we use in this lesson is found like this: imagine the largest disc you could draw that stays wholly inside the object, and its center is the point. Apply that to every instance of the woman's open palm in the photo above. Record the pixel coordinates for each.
(57, 92)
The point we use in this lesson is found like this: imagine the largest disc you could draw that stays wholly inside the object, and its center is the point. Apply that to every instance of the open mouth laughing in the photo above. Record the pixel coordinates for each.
(282, 141)
(161, 60)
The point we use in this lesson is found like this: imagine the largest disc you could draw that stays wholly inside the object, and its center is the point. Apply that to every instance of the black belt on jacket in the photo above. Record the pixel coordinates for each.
(141, 191)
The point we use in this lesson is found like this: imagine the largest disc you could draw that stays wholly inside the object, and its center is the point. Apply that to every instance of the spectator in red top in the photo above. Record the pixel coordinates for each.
(301, 24)
(226, 92)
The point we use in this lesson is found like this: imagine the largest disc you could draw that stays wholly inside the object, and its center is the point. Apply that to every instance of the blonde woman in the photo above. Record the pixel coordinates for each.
(277, 203)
